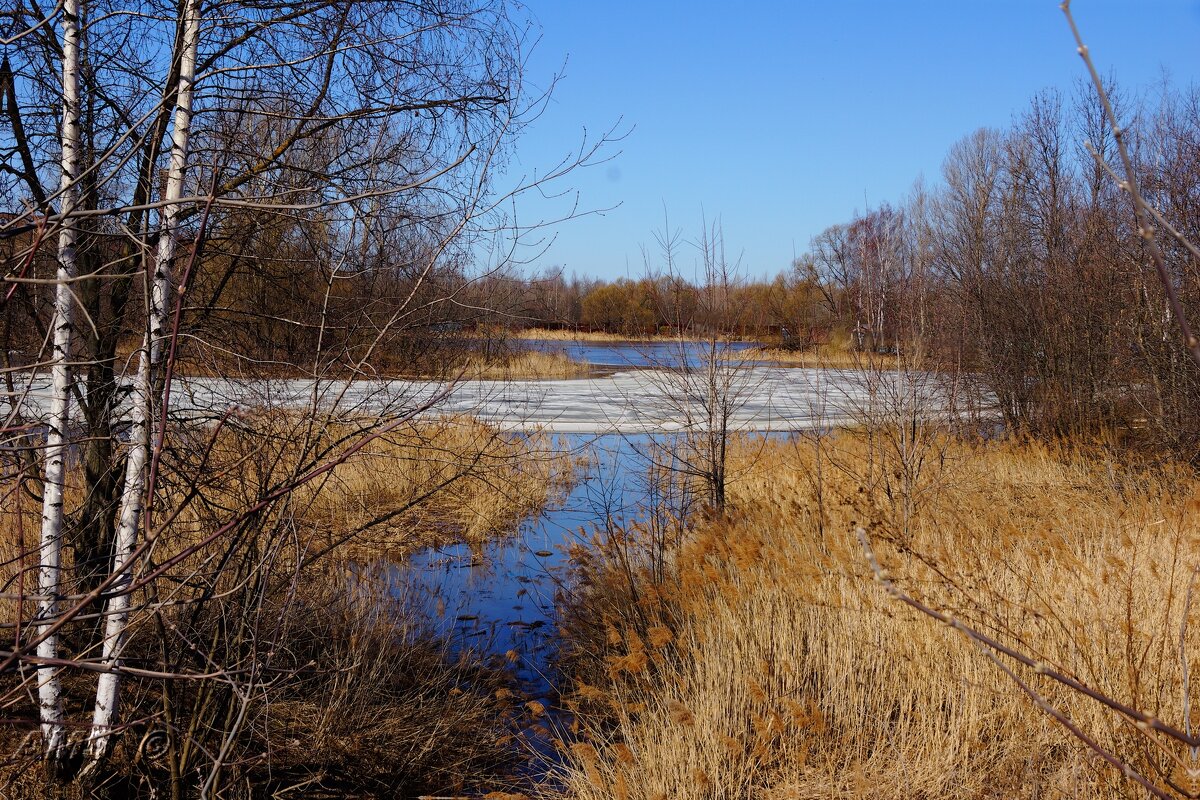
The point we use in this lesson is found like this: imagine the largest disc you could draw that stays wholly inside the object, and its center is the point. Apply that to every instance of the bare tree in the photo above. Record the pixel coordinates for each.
(701, 375)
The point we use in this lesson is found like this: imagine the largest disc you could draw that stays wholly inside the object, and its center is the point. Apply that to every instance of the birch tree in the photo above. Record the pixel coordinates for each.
(50, 553)
(141, 413)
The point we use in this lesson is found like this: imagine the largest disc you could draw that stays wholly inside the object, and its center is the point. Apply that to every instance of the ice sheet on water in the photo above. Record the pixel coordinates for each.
(630, 401)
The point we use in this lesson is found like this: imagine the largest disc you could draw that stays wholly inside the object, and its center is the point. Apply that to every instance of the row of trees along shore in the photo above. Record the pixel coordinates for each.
(1022, 266)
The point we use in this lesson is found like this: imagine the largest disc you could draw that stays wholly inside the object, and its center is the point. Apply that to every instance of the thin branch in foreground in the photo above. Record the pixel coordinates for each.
(1130, 184)
(993, 648)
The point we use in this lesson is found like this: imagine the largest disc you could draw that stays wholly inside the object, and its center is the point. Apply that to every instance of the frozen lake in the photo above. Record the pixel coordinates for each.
(764, 398)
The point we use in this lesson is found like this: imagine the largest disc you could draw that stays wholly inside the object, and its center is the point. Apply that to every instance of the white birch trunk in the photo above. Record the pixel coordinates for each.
(141, 434)
(50, 546)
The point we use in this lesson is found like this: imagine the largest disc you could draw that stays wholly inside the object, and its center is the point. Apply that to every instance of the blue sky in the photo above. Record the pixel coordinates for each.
(780, 119)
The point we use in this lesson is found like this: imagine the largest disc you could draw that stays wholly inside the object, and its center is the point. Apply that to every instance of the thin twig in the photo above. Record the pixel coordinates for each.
(1130, 184)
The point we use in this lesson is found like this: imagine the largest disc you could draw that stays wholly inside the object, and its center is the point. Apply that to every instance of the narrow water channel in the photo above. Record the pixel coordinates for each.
(500, 599)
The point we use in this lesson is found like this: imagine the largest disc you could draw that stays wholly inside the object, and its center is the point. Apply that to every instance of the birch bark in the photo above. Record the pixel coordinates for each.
(141, 415)
(50, 545)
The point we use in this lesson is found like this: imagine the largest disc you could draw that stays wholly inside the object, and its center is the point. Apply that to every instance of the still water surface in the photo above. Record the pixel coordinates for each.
(501, 598)
(626, 355)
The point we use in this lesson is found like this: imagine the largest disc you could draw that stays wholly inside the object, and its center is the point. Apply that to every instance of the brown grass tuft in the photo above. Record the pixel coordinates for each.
(524, 365)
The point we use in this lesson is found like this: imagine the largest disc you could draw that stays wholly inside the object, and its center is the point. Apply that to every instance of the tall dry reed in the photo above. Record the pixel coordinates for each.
(524, 365)
(568, 334)
(768, 663)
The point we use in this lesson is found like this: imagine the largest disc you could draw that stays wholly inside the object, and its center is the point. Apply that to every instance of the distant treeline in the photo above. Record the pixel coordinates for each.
(1022, 266)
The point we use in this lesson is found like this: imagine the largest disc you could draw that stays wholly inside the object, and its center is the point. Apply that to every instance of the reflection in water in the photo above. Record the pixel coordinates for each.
(499, 598)
(623, 355)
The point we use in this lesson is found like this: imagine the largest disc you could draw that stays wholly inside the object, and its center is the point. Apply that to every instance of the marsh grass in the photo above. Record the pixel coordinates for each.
(837, 351)
(365, 701)
(767, 663)
(449, 358)
(569, 335)
(428, 482)
(822, 358)
(524, 365)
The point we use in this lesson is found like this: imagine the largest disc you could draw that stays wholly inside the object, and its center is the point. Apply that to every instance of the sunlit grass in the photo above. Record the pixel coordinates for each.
(428, 482)
(820, 358)
(768, 663)
(568, 335)
(524, 365)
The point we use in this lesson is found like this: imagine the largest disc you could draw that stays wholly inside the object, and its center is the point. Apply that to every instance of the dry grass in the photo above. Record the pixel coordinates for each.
(431, 481)
(525, 365)
(767, 663)
(380, 705)
(493, 480)
(836, 353)
(566, 335)
(435, 481)
(821, 358)
(366, 703)
(448, 359)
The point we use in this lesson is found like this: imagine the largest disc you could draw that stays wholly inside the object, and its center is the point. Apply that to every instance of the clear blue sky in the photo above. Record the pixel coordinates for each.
(783, 118)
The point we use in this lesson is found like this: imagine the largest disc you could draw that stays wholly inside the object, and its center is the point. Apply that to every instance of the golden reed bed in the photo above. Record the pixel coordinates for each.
(764, 661)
